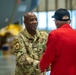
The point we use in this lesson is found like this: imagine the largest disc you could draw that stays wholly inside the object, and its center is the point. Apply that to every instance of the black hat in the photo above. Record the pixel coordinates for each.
(62, 15)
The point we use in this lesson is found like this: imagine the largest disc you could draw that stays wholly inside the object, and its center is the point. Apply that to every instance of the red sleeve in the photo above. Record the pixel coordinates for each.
(49, 54)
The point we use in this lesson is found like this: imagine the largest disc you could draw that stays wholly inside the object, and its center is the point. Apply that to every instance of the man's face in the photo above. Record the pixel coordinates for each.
(31, 22)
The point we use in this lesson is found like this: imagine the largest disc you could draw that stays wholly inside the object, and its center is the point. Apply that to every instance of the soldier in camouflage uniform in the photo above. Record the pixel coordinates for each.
(28, 47)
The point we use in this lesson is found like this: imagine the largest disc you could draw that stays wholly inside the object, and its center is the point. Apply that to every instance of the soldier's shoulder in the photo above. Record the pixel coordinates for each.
(17, 41)
(43, 32)
(18, 36)
(21, 32)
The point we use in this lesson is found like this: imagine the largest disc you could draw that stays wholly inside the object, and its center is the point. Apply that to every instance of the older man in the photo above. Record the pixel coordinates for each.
(61, 46)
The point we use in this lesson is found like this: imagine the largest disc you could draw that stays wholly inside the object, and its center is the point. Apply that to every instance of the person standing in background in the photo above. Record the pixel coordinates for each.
(7, 59)
(61, 46)
(28, 46)
(6, 47)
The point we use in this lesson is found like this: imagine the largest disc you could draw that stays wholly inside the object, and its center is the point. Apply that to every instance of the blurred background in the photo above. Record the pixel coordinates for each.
(11, 20)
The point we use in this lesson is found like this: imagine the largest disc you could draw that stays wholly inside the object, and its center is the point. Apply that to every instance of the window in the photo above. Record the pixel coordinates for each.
(45, 22)
(51, 24)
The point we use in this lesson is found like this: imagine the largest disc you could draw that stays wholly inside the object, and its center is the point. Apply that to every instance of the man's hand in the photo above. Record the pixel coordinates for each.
(48, 68)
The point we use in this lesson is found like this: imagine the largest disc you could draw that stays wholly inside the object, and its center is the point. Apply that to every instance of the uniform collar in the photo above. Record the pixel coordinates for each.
(36, 36)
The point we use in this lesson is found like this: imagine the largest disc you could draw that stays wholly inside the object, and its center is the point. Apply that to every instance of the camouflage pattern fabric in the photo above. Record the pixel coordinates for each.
(28, 50)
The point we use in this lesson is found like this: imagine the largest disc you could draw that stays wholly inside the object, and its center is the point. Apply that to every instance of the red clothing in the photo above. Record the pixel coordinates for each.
(60, 51)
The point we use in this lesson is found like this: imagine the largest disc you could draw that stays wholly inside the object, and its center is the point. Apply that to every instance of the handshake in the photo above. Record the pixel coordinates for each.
(38, 71)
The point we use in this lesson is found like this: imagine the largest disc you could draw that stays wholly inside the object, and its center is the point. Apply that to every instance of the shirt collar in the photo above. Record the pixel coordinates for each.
(66, 26)
(37, 35)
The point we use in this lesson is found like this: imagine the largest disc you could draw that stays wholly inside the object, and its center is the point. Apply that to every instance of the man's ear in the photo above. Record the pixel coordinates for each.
(25, 21)
(56, 22)
(69, 21)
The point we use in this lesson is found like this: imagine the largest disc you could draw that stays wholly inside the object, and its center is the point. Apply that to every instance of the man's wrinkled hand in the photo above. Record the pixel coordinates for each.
(48, 68)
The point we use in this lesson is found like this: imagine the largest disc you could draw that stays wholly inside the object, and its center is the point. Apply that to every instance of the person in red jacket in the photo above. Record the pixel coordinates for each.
(61, 47)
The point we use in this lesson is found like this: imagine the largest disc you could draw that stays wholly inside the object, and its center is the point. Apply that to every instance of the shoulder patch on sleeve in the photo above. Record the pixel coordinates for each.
(16, 44)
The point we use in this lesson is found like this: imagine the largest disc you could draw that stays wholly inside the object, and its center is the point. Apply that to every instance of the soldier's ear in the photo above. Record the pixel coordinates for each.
(25, 21)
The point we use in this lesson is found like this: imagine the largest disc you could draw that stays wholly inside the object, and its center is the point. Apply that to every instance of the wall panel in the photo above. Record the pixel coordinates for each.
(55, 4)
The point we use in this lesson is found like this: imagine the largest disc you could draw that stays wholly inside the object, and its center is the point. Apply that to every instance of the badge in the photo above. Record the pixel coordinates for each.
(16, 46)
(15, 40)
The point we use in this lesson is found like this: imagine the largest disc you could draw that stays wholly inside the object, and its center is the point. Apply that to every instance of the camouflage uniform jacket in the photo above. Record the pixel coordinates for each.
(28, 50)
